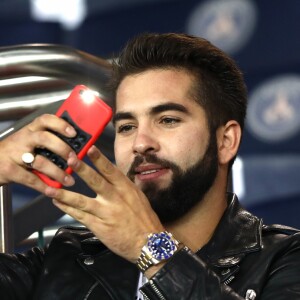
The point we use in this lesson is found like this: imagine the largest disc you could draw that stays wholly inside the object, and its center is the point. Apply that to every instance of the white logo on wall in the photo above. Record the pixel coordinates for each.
(274, 109)
(228, 24)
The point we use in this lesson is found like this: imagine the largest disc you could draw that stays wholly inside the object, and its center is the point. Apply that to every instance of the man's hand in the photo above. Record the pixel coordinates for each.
(120, 215)
(35, 134)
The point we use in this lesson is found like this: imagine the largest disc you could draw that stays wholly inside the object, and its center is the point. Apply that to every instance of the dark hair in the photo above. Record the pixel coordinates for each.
(219, 84)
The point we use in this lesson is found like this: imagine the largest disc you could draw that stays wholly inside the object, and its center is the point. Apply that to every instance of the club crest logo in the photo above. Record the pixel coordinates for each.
(228, 24)
(274, 109)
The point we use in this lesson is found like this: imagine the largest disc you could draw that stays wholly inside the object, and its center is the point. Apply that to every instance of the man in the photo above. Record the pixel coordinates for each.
(169, 229)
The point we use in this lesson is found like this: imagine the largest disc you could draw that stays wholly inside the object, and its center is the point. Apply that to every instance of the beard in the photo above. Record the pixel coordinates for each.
(187, 188)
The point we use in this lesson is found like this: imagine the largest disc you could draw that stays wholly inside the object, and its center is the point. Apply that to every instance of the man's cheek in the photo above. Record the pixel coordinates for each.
(122, 165)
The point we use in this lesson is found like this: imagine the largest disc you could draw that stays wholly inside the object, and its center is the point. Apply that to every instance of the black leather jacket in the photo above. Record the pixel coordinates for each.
(242, 255)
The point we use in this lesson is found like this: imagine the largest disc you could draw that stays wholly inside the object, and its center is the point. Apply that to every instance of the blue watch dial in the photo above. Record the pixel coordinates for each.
(161, 245)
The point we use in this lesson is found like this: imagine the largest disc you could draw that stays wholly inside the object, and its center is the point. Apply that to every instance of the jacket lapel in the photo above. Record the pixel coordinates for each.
(238, 233)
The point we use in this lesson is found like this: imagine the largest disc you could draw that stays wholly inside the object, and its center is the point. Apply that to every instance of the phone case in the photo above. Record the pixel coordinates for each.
(89, 115)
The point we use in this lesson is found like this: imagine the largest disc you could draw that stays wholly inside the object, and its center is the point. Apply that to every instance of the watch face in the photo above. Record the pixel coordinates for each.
(161, 245)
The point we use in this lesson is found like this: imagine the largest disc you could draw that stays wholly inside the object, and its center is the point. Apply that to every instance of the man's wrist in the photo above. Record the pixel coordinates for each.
(158, 248)
(150, 272)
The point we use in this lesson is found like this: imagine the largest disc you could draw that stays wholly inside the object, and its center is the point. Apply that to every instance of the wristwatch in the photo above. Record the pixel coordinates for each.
(159, 247)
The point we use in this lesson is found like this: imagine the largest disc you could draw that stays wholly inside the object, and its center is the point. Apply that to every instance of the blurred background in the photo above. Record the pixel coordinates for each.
(261, 35)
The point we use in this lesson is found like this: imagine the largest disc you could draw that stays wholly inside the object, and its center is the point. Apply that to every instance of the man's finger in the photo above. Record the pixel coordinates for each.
(107, 169)
(70, 198)
(95, 180)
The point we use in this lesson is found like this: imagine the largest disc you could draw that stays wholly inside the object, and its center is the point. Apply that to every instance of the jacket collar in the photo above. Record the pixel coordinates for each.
(238, 233)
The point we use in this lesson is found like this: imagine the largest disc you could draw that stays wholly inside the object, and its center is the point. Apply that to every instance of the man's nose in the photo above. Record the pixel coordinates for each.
(145, 142)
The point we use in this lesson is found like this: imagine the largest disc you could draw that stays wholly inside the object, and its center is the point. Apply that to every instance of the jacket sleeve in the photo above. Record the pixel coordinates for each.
(18, 274)
(184, 277)
(284, 277)
(187, 277)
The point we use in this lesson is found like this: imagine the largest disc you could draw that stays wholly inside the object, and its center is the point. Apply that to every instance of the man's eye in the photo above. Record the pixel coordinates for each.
(169, 121)
(125, 128)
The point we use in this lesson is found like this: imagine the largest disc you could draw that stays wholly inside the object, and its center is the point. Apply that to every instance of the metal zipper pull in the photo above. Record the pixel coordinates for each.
(250, 295)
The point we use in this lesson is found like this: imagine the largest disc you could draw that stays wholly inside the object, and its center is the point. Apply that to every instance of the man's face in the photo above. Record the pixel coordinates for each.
(163, 142)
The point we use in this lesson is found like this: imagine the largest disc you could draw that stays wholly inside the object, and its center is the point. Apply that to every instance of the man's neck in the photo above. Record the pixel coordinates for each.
(196, 228)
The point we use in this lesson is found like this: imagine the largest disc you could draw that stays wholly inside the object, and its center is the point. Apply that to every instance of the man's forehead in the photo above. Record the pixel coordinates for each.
(161, 78)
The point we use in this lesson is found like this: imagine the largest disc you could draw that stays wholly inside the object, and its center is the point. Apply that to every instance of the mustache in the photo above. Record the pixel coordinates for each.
(149, 158)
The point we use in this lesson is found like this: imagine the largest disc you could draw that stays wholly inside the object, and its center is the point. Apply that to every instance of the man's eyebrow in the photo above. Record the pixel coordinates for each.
(122, 116)
(154, 110)
(168, 106)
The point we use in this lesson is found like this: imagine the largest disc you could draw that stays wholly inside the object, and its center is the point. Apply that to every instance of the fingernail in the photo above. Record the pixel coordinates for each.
(71, 154)
(93, 152)
(69, 181)
(54, 201)
(73, 161)
(70, 131)
(50, 191)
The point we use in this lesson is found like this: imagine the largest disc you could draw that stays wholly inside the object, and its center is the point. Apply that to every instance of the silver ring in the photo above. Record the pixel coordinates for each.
(28, 159)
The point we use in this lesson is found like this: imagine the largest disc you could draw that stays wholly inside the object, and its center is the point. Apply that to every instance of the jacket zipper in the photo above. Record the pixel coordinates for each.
(144, 295)
(227, 281)
(156, 291)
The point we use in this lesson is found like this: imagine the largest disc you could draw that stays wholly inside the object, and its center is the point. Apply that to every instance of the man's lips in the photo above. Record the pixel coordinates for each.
(151, 171)
(147, 168)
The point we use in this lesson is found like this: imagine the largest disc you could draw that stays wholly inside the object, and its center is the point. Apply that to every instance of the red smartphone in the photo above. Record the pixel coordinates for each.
(89, 115)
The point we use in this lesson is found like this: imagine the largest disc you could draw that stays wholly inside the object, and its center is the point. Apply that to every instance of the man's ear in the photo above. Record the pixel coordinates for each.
(228, 141)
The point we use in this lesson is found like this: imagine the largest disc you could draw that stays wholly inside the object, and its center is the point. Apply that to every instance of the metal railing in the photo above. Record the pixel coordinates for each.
(6, 218)
(35, 79)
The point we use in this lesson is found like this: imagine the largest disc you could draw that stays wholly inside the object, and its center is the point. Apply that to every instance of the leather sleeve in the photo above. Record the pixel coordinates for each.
(18, 274)
(284, 276)
(186, 276)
